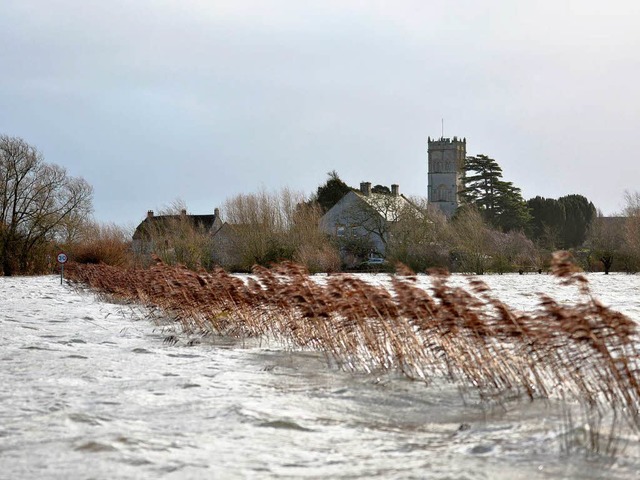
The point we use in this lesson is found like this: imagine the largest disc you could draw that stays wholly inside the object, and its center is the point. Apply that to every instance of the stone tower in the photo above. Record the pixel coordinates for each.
(446, 169)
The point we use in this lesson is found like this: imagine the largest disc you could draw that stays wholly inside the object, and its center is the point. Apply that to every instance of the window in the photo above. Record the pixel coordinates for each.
(340, 230)
(442, 194)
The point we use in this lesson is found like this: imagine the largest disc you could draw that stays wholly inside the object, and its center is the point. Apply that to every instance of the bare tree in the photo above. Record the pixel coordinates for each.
(176, 238)
(513, 251)
(631, 231)
(266, 227)
(96, 243)
(420, 238)
(312, 247)
(376, 215)
(38, 201)
(472, 240)
(605, 239)
(259, 223)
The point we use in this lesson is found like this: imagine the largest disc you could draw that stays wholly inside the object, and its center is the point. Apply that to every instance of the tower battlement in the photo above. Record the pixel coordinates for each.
(445, 141)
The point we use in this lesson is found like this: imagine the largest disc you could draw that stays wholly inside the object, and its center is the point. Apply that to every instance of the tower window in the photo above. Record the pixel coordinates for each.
(443, 194)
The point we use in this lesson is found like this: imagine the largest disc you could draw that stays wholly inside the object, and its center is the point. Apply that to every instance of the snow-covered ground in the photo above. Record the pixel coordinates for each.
(91, 389)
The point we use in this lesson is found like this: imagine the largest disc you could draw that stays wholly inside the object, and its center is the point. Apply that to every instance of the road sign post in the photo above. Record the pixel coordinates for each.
(62, 259)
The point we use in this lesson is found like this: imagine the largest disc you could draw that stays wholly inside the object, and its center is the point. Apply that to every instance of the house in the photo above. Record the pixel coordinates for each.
(363, 218)
(157, 227)
(227, 244)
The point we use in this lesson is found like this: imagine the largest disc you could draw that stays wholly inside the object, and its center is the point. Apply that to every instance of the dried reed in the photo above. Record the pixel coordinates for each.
(585, 352)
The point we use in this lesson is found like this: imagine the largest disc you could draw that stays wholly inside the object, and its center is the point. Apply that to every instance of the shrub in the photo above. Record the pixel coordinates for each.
(108, 244)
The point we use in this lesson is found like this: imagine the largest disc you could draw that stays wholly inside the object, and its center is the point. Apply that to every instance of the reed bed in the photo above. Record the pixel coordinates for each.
(584, 352)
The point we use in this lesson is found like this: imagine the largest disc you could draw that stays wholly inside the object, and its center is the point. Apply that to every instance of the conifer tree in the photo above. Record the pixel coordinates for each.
(332, 191)
(580, 212)
(562, 222)
(548, 217)
(500, 202)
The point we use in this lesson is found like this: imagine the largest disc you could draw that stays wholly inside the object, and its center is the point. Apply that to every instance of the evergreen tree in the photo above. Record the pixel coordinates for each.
(381, 189)
(332, 191)
(548, 217)
(561, 223)
(580, 212)
(481, 183)
(512, 211)
(500, 202)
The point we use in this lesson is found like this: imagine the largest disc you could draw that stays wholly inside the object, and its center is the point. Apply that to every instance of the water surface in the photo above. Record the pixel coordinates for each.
(92, 389)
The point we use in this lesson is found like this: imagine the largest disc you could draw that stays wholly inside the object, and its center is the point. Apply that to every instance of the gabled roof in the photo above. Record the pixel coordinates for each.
(162, 222)
(387, 205)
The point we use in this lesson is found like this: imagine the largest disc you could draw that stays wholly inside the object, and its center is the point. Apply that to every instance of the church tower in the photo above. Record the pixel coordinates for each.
(446, 169)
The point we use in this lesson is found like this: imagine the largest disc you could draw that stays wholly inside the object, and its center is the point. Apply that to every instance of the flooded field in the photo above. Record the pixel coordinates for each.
(92, 389)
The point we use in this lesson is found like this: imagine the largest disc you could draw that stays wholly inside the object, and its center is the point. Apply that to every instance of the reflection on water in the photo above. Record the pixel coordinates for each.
(95, 390)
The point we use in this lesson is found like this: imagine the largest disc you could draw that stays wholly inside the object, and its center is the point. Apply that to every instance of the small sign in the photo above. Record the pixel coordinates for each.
(62, 258)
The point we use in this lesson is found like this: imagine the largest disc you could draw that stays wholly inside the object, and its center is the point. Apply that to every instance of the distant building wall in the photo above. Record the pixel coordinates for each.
(341, 220)
(365, 214)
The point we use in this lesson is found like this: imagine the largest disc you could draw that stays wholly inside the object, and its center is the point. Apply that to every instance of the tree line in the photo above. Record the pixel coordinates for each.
(570, 222)
(495, 230)
(43, 210)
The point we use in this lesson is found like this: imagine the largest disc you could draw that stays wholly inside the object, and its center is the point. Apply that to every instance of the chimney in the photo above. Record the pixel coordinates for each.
(395, 189)
(216, 212)
(365, 188)
(150, 214)
(183, 211)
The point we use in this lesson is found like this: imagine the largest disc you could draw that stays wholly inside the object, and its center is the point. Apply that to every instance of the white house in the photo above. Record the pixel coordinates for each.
(366, 215)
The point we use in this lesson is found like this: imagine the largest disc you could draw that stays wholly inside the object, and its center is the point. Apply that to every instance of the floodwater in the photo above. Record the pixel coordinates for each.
(92, 389)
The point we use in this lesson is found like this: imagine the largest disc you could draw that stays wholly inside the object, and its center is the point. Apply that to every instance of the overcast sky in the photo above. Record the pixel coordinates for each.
(151, 101)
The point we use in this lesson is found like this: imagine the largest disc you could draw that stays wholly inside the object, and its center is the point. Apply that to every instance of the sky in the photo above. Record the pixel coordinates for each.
(201, 100)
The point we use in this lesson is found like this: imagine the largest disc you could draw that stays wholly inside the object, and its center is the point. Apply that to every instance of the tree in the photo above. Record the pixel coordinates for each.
(260, 222)
(37, 202)
(377, 214)
(499, 202)
(547, 220)
(482, 181)
(605, 238)
(177, 238)
(421, 238)
(354, 249)
(512, 251)
(631, 232)
(579, 213)
(312, 247)
(96, 243)
(513, 213)
(473, 241)
(269, 227)
(332, 191)
(561, 223)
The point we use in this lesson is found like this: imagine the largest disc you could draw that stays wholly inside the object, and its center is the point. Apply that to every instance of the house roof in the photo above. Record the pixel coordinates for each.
(387, 205)
(162, 222)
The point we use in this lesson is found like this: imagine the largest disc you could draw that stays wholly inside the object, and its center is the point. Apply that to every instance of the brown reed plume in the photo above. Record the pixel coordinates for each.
(585, 352)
